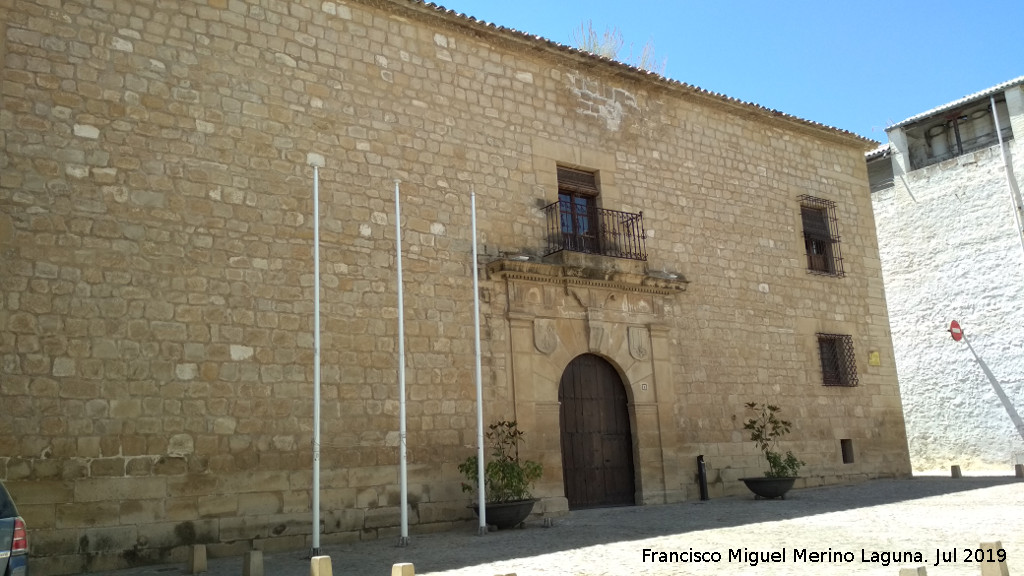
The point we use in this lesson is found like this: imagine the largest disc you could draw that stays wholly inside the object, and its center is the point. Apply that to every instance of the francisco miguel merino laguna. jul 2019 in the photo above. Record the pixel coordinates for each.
(830, 556)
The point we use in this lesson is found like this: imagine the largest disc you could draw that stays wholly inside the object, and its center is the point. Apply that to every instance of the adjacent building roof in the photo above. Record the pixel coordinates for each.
(962, 101)
(880, 152)
(542, 42)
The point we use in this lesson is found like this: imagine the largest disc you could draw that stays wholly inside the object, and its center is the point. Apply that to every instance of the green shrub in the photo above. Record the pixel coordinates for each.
(765, 430)
(506, 478)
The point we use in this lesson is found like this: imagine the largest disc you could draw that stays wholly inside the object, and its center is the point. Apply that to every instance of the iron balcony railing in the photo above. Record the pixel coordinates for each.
(593, 230)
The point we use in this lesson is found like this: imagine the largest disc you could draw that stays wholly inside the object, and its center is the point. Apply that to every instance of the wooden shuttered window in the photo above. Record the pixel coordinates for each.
(821, 236)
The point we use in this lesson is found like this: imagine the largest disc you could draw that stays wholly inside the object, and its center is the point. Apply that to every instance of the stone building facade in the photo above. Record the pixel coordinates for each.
(952, 250)
(689, 251)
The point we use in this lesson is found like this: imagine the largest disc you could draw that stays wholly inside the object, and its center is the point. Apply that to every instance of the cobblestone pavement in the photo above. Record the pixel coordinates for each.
(929, 516)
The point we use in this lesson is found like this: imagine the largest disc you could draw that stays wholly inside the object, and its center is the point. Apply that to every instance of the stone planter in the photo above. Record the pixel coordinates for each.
(506, 514)
(769, 487)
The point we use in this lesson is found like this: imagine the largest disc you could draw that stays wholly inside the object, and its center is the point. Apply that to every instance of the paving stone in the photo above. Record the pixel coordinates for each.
(904, 524)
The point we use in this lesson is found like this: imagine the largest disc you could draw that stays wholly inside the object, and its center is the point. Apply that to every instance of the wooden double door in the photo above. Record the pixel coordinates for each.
(597, 444)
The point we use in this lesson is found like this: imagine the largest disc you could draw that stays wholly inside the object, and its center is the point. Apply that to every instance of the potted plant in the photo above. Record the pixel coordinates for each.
(765, 430)
(507, 479)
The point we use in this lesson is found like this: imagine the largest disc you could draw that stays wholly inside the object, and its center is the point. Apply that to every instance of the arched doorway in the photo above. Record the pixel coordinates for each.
(597, 445)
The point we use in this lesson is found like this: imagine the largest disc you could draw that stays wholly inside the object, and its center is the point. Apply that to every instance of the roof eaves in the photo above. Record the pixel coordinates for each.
(653, 76)
(959, 102)
(880, 152)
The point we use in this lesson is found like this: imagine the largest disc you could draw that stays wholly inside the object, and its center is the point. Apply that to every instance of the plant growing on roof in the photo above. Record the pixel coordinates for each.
(610, 44)
(506, 477)
(765, 430)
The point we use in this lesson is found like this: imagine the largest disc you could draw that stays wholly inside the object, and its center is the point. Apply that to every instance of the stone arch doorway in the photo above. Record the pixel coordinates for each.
(597, 443)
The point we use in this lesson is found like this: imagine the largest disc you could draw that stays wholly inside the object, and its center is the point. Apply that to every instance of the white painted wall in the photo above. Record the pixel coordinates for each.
(949, 250)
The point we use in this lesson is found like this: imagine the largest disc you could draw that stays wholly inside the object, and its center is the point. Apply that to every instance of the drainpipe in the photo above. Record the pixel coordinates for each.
(1011, 181)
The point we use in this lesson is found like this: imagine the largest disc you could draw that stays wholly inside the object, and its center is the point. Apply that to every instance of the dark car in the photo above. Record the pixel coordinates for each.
(13, 538)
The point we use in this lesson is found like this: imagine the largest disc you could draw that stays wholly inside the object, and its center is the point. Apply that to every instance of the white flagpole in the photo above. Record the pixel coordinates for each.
(316, 360)
(480, 486)
(402, 474)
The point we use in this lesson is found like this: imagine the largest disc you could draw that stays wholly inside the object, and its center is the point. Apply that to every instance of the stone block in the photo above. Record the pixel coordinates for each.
(218, 505)
(284, 543)
(255, 481)
(329, 538)
(170, 466)
(222, 549)
(245, 527)
(997, 568)
(389, 516)
(64, 564)
(259, 503)
(40, 492)
(41, 515)
(403, 569)
(430, 512)
(955, 472)
(320, 566)
(46, 542)
(373, 476)
(192, 485)
(252, 563)
(197, 559)
(141, 512)
(114, 539)
(344, 520)
(118, 489)
(139, 466)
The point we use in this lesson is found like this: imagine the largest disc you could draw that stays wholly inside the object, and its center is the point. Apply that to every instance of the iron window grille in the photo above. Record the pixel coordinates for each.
(821, 236)
(838, 365)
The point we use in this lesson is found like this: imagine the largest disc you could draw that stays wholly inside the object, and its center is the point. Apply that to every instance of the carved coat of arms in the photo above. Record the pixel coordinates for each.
(639, 343)
(545, 336)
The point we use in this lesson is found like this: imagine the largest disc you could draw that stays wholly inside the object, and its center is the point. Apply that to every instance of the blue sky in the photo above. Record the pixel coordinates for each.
(856, 65)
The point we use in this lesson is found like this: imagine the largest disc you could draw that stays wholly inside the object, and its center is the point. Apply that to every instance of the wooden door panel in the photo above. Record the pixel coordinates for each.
(597, 446)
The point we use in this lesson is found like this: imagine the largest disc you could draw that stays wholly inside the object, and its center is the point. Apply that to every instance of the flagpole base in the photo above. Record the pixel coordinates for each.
(481, 531)
(403, 541)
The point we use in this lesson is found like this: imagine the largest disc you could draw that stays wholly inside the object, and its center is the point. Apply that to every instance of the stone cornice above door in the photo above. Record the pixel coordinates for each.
(628, 276)
(613, 292)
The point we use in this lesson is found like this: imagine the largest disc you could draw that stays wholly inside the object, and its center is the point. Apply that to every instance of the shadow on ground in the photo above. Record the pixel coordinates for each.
(580, 529)
(462, 548)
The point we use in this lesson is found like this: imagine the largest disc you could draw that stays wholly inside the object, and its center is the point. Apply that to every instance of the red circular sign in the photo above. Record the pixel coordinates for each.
(955, 331)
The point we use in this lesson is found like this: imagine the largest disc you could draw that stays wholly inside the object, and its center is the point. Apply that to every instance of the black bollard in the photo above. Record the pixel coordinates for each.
(702, 477)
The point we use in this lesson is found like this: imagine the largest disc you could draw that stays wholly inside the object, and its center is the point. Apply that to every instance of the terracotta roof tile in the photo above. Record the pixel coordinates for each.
(539, 40)
(960, 102)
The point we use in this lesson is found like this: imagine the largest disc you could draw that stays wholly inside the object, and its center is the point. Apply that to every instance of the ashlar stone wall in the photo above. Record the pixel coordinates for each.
(156, 272)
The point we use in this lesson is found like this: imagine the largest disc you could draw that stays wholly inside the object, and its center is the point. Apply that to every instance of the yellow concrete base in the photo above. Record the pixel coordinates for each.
(252, 563)
(197, 559)
(404, 569)
(320, 566)
(991, 550)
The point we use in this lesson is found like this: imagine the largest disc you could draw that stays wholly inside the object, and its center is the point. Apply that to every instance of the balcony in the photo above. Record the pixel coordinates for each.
(592, 230)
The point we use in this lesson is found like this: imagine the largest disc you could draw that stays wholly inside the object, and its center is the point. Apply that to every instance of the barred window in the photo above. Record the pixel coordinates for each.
(821, 236)
(838, 366)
